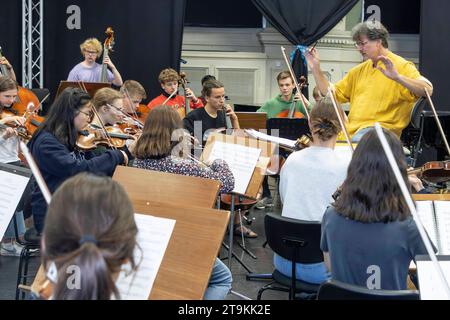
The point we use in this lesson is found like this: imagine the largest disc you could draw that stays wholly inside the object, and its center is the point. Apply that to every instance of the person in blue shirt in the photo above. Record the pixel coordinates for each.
(53, 147)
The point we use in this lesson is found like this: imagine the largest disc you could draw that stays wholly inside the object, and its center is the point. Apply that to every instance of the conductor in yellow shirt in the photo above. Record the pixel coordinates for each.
(383, 88)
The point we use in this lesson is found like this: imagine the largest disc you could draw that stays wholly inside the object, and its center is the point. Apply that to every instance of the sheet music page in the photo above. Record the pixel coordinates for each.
(442, 209)
(153, 237)
(425, 211)
(266, 137)
(12, 187)
(241, 160)
(431, 286)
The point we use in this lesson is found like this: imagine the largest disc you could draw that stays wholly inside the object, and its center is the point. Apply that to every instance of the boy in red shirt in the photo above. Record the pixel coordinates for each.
(168, 78)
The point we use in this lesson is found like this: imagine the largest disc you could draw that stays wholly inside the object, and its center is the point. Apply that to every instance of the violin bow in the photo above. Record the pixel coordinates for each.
(127, 95)
(438, 122)
(173, 93)
(103, 128)
(283, 51)
(341, 120)
(36, 172)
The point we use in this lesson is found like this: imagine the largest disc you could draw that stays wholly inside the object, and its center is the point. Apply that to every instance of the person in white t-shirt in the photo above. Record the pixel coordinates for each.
(308, 180)
(9, 153)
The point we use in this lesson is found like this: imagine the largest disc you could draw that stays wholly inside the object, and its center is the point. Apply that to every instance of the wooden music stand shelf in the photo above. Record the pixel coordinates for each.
(154, 186)
(91, 87)
(252, 120)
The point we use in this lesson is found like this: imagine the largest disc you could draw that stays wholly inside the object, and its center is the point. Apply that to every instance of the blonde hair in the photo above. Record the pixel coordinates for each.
(167, 75)
(134, 89)
(91, 43)
(105, 96)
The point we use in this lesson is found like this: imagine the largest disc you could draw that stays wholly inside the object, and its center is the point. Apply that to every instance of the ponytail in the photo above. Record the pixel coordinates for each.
(84, 275)
(324, 121)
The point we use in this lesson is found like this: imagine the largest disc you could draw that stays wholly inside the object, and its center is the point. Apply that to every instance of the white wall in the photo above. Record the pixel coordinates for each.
(248, 60)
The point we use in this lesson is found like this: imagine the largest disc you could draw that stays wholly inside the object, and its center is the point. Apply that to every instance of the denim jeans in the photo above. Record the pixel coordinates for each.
(220, 282)
(315, 273)
(10, 233)
(358, 135)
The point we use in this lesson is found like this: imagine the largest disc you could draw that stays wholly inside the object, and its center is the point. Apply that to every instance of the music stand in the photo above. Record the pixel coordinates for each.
(288, 128)
(91, 87)
(15, 180)
(267, 151)
(252, 120)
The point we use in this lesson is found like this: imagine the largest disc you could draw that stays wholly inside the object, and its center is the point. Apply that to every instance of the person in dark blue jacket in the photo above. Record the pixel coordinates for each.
(53, 147)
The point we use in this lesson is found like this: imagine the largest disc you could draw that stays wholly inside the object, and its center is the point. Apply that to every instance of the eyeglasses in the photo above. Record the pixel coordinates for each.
(360, 44)
(92, 53)
(89, 114)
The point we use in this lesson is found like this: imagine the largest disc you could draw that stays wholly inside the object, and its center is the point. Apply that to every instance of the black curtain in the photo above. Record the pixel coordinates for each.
(148, 37)
(11, 34)
(303, 22)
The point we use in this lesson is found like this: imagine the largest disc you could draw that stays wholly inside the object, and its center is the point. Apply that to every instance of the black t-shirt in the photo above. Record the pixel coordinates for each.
(362, 252)
(199, 120)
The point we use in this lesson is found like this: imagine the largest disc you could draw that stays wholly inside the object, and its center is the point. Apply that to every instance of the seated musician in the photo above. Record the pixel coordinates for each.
(279, 107)
(89, 70)
(108, 103)
(169, 78)
(9, 153)
(203, 121)
(212, 116)
(308, 180)
(203, 81)
(54, 148)
(133, 94)
(90, 224)
(157, 149)
(11, 74)
(369, 236)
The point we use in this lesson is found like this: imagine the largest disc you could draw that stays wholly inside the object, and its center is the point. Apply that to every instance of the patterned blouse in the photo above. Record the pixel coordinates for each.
(219, 169)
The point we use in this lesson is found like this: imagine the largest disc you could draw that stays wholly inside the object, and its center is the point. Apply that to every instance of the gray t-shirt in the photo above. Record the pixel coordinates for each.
(86, 74)
(371, 255)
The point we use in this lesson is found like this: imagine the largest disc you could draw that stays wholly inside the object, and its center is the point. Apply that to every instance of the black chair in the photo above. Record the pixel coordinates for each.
(336, 290)
(297, 241)
(31, 248)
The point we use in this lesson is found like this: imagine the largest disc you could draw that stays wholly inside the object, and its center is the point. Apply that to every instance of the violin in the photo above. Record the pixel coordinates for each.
(91, 138)
(433, 171)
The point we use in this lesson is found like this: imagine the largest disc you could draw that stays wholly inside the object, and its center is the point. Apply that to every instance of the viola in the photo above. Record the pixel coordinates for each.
(91, 138)
(183, 82)
(433, 171)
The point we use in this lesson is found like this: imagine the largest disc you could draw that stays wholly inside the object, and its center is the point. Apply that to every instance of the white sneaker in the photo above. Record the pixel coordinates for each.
(263, 203)
(11, 249)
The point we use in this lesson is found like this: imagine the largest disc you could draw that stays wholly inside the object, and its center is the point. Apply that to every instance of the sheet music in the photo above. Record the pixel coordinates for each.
(12, 187)
(153, 237)
(242, 161)
(431, 287)
(266, 137)
(425, 211)
(442, 209)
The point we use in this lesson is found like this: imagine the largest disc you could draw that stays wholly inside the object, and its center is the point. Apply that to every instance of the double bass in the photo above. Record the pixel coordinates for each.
(107, 48)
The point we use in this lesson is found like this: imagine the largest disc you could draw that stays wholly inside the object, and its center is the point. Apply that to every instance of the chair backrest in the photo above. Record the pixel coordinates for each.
(285, 235)
(288, 128)
(336, 290)
(417, 111)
